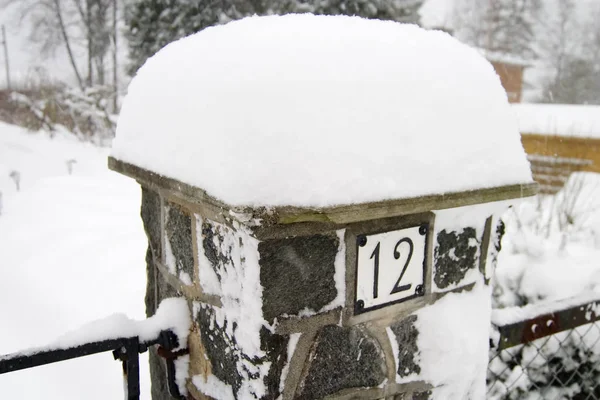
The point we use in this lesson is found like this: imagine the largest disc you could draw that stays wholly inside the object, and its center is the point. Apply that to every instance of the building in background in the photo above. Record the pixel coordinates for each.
(510, 69)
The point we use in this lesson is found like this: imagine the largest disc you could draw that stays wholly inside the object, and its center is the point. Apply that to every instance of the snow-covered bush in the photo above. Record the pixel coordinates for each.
(45, 107)
(550, 245)
(549, 253)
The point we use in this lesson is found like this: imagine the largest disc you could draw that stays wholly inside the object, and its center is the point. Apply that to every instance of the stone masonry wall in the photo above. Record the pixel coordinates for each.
(288, 329)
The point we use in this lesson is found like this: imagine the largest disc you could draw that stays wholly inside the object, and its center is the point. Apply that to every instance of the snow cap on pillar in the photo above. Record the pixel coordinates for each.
(317, 111)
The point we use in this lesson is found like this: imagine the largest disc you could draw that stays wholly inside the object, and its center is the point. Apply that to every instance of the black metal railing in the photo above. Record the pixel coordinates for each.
(126, 350)
(554, 355)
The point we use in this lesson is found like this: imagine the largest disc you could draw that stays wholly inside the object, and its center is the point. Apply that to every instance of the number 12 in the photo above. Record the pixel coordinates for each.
(375, 256)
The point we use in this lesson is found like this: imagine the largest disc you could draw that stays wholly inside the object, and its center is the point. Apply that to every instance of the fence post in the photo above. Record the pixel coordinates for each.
(332, 334)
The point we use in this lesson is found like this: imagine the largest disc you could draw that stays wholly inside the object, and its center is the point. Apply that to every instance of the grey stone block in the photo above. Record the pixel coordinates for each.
(426, 395)
(210, 239)
(221, 349)
(150, 213)
(159, 389)
(497, 241)
(228, 361)
(156, 290)
(455, 254)
(297, 273)
(150, 297)
(406, 337)
(178, 228)
(500, 231)
(275, 347)
(342, 358)
(423, 395)
(165, 290)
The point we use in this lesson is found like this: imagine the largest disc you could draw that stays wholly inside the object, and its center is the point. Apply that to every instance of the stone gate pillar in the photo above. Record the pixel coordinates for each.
(283, 301)
(377, 289)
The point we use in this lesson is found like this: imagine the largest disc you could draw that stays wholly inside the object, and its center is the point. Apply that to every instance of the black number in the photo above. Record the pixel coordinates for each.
(375, 255)
(376, 280)
(397, 288)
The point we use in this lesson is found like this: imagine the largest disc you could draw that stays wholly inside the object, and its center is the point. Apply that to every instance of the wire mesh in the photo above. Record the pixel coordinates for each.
(565, 365)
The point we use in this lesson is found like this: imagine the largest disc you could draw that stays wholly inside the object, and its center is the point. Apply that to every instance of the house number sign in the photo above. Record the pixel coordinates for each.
(390, 267)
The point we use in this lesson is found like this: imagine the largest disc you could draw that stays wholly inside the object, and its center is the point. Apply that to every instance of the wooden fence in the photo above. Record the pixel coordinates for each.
(554, 158)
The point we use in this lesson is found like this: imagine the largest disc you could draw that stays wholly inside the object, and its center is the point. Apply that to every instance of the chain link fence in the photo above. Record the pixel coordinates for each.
(550, 356)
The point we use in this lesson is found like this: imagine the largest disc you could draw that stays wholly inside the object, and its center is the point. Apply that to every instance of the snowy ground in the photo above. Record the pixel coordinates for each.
(72, 250)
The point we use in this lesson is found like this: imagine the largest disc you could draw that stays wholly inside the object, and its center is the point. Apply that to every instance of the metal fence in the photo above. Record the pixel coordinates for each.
(125, 349)
(552, 356)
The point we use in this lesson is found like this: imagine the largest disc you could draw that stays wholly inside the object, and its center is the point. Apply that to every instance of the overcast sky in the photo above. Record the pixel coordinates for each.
(24, 56)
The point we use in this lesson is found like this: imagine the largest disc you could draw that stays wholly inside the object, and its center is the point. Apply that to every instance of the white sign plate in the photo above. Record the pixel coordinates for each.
(390, 267)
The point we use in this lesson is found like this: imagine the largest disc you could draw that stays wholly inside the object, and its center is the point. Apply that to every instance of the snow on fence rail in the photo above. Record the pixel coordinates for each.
(126, 339)
(547, 352)
(126, 350)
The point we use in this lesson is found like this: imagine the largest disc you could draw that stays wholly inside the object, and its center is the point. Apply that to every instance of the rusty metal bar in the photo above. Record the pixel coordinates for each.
(527, 331)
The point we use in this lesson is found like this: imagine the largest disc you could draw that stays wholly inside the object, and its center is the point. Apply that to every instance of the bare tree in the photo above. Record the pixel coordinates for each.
(500, 26)
(570, 53)
(66, 40)
(85, 24)
(51, 27)
(94, 19)
(115, 37)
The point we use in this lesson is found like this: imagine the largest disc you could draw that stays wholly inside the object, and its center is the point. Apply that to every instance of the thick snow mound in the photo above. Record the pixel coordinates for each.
(321, 110)
(559, 119)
